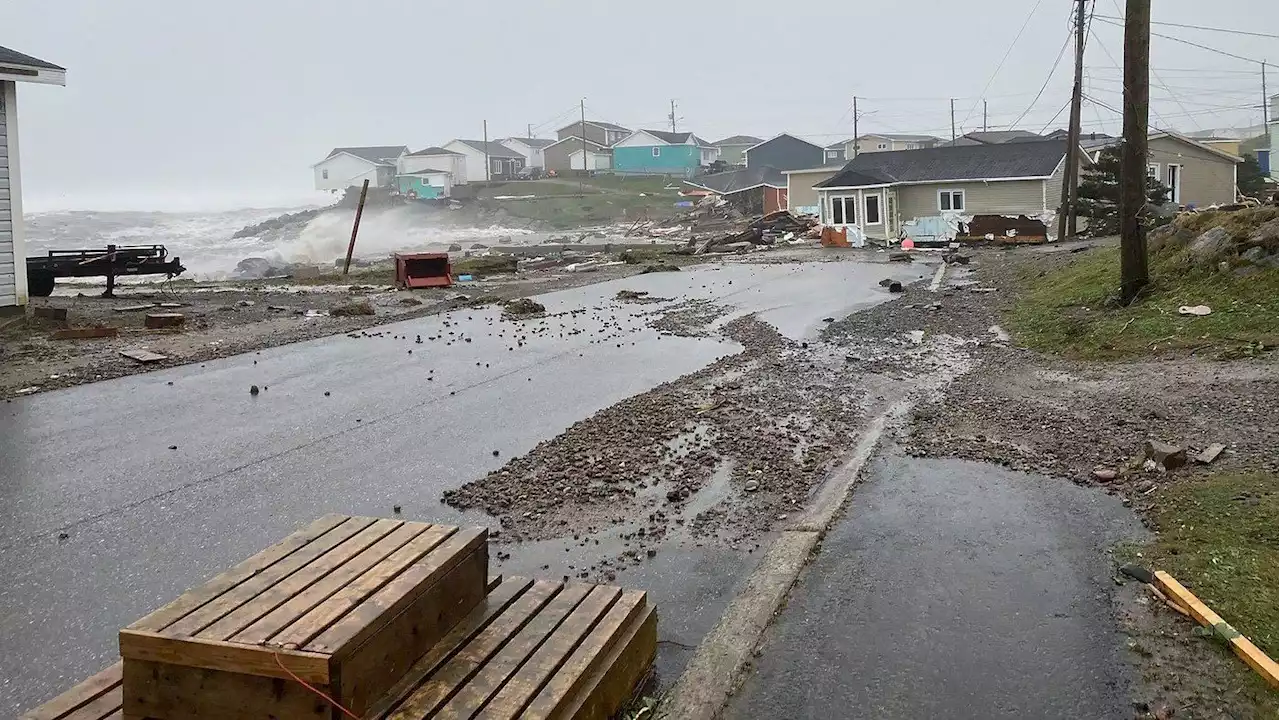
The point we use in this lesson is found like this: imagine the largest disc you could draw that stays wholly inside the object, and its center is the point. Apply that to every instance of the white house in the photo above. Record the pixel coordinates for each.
(434, 158)
(596, 160)
(345, 167)
(487, 161)
(15, 68)
(530, 148)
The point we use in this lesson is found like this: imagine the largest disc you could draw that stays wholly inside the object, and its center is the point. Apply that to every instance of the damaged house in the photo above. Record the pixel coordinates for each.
(941, 193)
(754, 190)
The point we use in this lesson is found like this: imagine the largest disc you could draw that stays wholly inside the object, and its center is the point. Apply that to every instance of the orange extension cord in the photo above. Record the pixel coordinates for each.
(306, 685)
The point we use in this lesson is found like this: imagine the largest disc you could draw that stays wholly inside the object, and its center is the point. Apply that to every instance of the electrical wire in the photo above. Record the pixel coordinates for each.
(1055, 117)
(1052, 70)
(1192, 44)
(1198, 27)
(1000, 64)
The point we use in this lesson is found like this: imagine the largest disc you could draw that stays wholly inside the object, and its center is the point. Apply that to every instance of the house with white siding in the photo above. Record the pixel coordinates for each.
(15, 67)
(530, 148)
(346, 167)
(940, 191)
(487, 160)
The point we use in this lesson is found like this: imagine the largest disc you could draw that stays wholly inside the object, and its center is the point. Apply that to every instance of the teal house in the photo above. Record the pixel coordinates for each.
(425, 184)
(658, 152)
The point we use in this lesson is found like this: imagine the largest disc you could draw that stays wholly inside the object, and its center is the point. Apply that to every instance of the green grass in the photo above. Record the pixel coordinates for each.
(1218, 537)
(1070, 310)
(633, 183)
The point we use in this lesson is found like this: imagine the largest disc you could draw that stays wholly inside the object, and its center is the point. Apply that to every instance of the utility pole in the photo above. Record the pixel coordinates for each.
(856, 142)
(528, 129)
(1071, 179)
(984, 116)
(1133, 159)
(1266, 104)
(673, 116)
(582, 116)
(486, 151)
(953, 121)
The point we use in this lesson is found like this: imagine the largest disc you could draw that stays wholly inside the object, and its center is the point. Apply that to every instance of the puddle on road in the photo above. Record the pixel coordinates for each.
(715, 491)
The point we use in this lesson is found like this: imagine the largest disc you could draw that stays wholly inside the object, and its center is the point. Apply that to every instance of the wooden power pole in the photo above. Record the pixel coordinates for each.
(582, 117)
(673, 116)
(486, 151)
(984, 116)
(953, 121)
(1071, 177)
(856, 142)
(1133, 160)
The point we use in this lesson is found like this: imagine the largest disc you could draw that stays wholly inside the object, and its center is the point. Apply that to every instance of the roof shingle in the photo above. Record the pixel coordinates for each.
(380, 154)
(941, 164)
(727, 183)
(13, 57)
(494, 148)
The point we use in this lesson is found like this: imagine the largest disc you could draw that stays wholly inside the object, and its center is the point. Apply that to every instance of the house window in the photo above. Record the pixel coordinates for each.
(872, 214)
(657, 151)
(844, 210)
(951, 200)
(882, 146)
(325, 173)
(832, 155)
(1153, 170)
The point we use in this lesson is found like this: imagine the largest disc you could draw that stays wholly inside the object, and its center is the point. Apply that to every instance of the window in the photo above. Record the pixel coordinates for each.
(1153, 170)
(882, 146)
(1174, 182)
(844, 210)
(951, 200)
(872, 209)
(657, 151)
(832, 154)
(325, 173)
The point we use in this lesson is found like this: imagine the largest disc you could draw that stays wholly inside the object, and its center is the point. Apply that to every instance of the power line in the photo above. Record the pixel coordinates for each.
(1053, 69)
(1055, 117)
(1198, 27)
(1192, 44)
(1000, 64)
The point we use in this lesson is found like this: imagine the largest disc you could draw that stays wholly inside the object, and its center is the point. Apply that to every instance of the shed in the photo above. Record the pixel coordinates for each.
(15, 67)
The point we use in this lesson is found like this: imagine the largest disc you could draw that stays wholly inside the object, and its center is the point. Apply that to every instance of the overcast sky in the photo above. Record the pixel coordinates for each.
(226, 104)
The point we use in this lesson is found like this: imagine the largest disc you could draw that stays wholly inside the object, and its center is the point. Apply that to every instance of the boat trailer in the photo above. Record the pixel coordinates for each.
(113, 261)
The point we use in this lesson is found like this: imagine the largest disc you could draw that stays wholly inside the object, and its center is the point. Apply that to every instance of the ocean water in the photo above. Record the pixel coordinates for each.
(204, 240)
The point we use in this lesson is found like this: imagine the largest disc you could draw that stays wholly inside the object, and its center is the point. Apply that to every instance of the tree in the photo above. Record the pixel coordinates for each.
(1251, 180)
(1098, 197)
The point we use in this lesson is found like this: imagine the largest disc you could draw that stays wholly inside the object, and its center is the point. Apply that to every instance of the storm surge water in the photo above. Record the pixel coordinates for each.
(205, 242)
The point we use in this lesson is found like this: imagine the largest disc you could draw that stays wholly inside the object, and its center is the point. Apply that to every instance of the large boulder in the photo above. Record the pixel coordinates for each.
(1267, 237)
(1171, 235)
(254, 267)
(1212, 244)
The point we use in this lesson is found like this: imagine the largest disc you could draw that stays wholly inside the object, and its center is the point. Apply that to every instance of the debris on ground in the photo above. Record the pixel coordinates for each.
(1194, 310)
(523, 307)
(900, 257)
(1211, 453)
(354, 307)
(143, 356)
(659, 267)
(726, 230)
(1166, 456)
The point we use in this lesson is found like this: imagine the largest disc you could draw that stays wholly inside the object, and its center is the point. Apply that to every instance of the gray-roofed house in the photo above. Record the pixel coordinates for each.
(530, 148)
(658, 152)
(487, 161)
(1196, 174)
(731, 148)
(784, 152)
(15, 67)
(566, 154)
(993, 137)
(414, 169)
(346, 167)
(877, 142)
(878, 195)
(754, 190)
(597, 131)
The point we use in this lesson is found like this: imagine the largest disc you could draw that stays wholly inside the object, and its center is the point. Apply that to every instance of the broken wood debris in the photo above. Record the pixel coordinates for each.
(143, 356)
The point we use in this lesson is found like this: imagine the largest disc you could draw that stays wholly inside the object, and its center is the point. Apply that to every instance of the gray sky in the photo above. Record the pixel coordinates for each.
(173, 105)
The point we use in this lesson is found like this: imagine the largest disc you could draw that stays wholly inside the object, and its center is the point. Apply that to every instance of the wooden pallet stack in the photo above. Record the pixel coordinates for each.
(374, 618)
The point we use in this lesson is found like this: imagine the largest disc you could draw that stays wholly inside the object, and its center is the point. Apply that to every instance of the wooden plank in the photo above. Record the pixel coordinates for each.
(396, 595)
(219, 584)
(618, 675)
(511, 700)
(83, 333)
(210, 620)
(498, 669)
(174, 692)
(574, 674)
(372, 669)
(331, 609)
(1240, 645)
(493, 582)
(89, 690)
(459, 668)
(219, 655)
(273, 597)
(331, 578)
(143, 356)
(493, 605)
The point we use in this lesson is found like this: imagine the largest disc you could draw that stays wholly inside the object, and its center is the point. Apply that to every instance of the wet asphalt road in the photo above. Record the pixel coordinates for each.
(952, 589)
(146, 522)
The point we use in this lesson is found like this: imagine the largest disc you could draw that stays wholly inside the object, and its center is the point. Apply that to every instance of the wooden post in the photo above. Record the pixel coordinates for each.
(856, 143)
(355, 226)
(984, 116)
(1133, 159)
(486, 151)
(953, 121)
(1070, 178)
(582, 116)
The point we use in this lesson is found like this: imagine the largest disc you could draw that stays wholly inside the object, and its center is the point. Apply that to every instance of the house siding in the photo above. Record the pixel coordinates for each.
(732, 154)
(1206, 178)
(455, 164)
(800, 191)
(679, 160)
(785, 153)
(347, 170)
(1007, 197)
(556, 157)
(424, 187)
(595, 134)
(13, 289)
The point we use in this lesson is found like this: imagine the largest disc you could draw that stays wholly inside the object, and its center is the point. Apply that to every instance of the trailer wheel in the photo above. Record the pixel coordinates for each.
(40, 283)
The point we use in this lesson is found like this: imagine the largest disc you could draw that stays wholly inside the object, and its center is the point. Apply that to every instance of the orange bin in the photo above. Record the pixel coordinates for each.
(422, 270)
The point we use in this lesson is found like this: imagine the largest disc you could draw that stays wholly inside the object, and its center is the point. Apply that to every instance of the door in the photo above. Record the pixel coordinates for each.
(1173, 179)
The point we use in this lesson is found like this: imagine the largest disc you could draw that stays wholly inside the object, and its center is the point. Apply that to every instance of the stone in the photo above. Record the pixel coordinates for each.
(1211, 244)
(254, 267)
(1267, 237)
(1103, 474)
(1166, 456)
(253, 390)
(1144, 486)
(1137, 572)
(50, 313)
(157, 321)
(752, 486)
(455, 247)
(900, 257)
(895, 287)
(887, 282)
(1255, 256)
(1211, 453)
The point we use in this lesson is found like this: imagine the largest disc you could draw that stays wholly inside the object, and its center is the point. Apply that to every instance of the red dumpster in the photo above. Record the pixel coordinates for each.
(420, 270)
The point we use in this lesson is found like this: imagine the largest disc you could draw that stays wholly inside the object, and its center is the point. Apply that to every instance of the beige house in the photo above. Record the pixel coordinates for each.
(938, 192)
(731, 148)
(802, 196)
(597, 131)
(559, 155)
(1197, 174)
